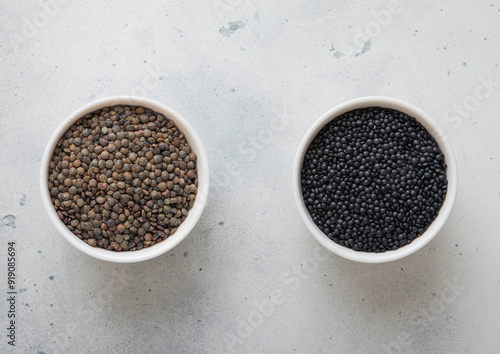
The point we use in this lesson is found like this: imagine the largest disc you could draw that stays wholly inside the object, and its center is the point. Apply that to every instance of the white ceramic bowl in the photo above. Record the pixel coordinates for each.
(186, 226)
(451, 174)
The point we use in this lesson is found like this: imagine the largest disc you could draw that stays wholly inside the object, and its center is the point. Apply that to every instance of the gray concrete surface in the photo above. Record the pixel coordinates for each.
(251, 77)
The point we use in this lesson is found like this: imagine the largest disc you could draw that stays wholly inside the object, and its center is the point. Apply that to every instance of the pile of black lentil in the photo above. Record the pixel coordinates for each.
(373, 179)
(123, 178)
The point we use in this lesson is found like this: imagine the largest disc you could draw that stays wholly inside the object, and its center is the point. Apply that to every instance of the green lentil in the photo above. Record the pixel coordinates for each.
(116, 175)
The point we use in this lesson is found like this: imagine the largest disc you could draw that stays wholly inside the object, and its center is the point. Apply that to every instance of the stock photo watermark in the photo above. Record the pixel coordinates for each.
(362, 40)
(11, 293)
(149, 82)
(250, 149)
(485, 88)
(265, 308)
(92, 307)
(31, 26)
(425, 316)
(222, 7)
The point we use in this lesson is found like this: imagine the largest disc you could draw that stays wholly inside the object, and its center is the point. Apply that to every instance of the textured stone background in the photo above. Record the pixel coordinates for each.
(251, 77)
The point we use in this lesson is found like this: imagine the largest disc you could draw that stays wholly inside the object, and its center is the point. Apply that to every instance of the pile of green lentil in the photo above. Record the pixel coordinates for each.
(123, 178)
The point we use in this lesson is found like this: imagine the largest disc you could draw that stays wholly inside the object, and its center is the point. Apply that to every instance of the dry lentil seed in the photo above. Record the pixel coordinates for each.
(363, 179)
(116, 150)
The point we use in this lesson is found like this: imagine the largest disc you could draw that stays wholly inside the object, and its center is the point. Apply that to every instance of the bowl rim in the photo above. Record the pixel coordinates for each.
(451, 174)
(184, 228)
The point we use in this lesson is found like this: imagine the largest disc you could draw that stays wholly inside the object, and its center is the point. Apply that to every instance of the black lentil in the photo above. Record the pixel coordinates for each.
(109, 181)
(373, 179)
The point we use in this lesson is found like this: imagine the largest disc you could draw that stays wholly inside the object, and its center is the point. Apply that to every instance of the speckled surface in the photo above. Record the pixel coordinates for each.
(251, 77)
